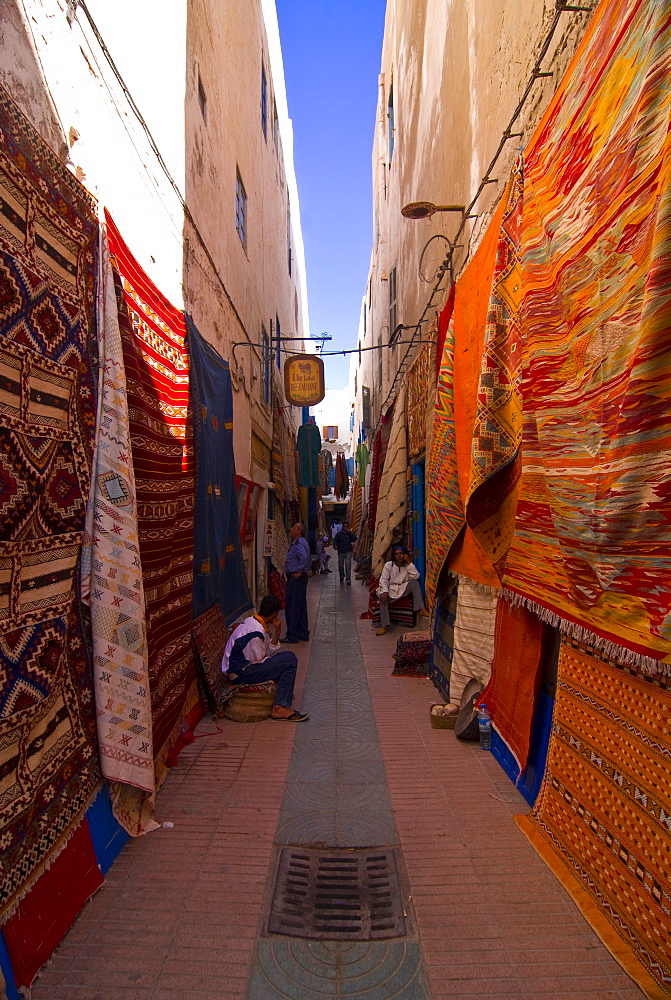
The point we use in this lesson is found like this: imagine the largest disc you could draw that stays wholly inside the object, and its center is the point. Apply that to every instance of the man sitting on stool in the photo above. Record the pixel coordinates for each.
(399, 577)
(252, 656)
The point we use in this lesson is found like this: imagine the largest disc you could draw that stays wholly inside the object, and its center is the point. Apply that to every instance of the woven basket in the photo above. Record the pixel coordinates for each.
(249, 705)
(442, 721)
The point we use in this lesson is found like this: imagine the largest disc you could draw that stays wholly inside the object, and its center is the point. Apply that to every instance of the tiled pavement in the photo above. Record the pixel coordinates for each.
(182, 913)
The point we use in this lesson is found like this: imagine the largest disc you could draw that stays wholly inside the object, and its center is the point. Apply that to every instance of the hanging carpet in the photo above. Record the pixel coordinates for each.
(377, 464)
(474, 628)
(516, 676)
(603, 816)
(218, 570)
(308, 446)
(392, 495)
(420, 387)
(454, 420)
(277, 462)
(440, 663)
(592, 543)
(111, 569)
(157, 373)
(341, 477)
(48, 749)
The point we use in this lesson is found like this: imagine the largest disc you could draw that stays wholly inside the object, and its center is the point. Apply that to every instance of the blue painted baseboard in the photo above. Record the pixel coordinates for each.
(107, 836)
(530, 783)
(6, 966)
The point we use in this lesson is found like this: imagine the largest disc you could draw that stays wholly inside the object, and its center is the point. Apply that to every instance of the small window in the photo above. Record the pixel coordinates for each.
(202, 99)
(390, 121)
(392, 306)
(330, 432)
(276, 130)
(264, 102)
(379, 363)
(265, 365)
(241, 209)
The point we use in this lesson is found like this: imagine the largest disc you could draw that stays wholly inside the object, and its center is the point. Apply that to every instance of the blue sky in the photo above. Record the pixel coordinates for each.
(331, 51)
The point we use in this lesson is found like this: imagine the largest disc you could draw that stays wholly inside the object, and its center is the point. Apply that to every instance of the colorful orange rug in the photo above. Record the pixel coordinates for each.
(592, 543)
(454, 419)
(516, 675)
(602, 821)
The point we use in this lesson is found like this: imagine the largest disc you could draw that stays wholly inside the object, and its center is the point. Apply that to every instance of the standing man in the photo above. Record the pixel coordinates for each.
(399, 577)
(335, 527)
(297, 568)
(342, 543)
(252, 655)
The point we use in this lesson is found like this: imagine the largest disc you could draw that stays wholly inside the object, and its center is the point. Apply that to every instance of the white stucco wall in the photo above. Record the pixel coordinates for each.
(147, 41)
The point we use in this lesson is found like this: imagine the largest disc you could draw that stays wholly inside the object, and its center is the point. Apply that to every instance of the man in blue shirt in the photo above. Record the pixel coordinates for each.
(297, 568)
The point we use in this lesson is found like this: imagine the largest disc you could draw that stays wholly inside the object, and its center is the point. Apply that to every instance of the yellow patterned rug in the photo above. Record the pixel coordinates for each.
(602, 821)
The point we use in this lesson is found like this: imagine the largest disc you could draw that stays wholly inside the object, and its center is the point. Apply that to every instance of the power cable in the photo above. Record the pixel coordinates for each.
(81, 5)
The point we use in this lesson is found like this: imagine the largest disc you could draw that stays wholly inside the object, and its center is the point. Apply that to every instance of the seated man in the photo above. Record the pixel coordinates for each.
(399, 577)
(253, 656)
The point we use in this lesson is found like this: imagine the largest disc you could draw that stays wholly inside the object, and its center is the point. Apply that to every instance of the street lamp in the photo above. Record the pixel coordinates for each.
(425, 209)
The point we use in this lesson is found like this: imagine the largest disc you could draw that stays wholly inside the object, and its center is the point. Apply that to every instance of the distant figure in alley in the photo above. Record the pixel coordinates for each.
(342, 543)
(297, 568)
(253, 655)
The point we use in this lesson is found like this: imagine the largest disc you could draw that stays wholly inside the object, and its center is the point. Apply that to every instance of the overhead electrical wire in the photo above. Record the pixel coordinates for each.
(73, 8)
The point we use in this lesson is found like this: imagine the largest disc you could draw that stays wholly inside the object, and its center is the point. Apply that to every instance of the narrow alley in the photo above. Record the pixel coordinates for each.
(335, 353)
(183, 913)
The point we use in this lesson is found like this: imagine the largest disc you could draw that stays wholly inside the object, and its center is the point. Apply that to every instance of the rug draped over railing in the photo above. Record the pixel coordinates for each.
(592, 540)
(48, 750)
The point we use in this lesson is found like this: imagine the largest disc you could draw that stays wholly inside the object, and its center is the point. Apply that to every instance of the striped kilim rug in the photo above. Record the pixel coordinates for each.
(157, 373)
(602, 821)
(48, 752)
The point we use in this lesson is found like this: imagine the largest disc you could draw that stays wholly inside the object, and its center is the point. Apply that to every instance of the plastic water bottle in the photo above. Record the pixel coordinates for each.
(484, 727)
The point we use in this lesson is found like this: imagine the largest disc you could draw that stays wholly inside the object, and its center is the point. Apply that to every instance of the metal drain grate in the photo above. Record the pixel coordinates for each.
(341, 895)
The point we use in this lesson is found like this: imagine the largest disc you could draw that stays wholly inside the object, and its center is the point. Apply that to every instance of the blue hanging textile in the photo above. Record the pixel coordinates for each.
(218, 571)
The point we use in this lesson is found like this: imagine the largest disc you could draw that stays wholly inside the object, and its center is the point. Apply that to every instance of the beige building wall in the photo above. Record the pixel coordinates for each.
(455, 71)
(244, 287)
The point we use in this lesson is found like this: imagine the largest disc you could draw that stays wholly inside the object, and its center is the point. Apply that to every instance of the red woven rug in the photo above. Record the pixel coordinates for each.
(602, 819)
(516, 675)
(157, 372)
(48, 750)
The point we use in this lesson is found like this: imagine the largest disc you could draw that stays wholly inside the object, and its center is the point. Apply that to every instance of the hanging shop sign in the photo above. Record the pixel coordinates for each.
(304, 380)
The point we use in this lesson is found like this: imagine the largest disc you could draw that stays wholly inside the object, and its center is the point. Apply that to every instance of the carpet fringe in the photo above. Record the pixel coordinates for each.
(480, 588)
(647, 665)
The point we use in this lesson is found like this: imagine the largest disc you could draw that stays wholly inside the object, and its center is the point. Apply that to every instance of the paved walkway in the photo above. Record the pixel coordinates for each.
(183, 913)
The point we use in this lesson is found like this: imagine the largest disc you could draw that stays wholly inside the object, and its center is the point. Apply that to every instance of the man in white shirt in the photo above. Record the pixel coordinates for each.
(399, 577)
(253, 655)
